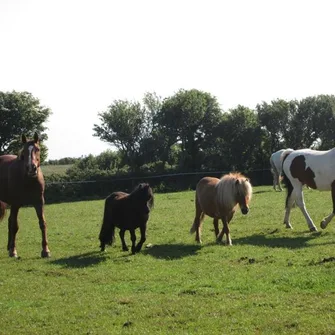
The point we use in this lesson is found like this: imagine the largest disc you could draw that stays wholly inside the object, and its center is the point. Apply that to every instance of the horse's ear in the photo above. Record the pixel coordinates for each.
(36, 139)
(247, 180)
(24, 138)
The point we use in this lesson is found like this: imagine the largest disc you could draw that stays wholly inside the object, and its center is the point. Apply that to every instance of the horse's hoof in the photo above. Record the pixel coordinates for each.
(12, 254)
(323, 224)
(313, 229)
(45, 254)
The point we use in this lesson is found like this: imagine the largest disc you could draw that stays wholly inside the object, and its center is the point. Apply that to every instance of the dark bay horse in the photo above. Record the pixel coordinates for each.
(22, 183)
(219, 199)
(127, 212)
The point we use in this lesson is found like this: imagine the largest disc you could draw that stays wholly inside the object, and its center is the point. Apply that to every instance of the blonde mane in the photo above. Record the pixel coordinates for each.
(227, 188)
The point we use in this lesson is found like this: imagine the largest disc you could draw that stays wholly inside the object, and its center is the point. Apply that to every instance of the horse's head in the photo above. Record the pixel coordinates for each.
(30, 155)
(243, 194)
(144, 195)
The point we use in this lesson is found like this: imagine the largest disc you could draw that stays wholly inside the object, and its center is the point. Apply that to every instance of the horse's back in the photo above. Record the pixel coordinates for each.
(314, 168)
(6, 161)
(120, 210)
(206, 195)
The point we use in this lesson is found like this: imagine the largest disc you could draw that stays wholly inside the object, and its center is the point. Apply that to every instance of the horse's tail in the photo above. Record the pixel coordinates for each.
(107, 231)
(197, 223)
(284, 155)
(3, 207)
(286, 181)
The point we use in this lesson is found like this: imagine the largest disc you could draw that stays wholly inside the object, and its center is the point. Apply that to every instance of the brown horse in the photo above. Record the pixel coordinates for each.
(127, 212)
(219, 198)
(22, 183)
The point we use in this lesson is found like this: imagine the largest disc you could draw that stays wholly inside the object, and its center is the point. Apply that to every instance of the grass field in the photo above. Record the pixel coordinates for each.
(271, 281)
(55, 169)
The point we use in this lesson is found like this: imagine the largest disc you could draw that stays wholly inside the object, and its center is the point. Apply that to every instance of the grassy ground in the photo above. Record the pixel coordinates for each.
(55, 169)
(271, 281)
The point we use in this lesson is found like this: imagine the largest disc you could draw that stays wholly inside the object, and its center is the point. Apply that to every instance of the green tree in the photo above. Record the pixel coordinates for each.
(276, 120)
(187, 118)
(124, 124)
(242, 140)
(21, 113)
(313, 123)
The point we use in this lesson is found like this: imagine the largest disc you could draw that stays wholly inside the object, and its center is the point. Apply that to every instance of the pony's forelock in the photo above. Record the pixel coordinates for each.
(228, 186)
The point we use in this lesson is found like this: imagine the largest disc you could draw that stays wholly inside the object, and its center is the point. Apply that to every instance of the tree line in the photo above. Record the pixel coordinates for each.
(185, 132)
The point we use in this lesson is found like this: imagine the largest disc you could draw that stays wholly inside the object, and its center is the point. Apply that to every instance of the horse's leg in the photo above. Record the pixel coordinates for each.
(216, 226)
(278, 182)
(124, 245)
(13, 227)
(225, 229)
(39, 208)
(327, 219)
(290, 199)
(143, 229)
(133, 241)
(301, 204)
(197, 223)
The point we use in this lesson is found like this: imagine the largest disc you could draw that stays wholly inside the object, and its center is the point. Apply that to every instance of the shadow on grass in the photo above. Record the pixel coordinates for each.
(172, 251)
(290, 242)
(262, 191)
(82, 260)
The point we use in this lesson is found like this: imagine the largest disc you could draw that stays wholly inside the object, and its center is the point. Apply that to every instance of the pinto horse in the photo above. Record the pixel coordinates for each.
(127, 212)
(22, 183)
(219, 199)
(313, 168)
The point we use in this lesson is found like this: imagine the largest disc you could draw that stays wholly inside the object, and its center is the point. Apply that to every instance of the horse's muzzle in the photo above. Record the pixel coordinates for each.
(245, 210)
(32, 171)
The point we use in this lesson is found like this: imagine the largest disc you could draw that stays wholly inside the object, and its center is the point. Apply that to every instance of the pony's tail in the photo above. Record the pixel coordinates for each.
(107, 229)
(197, 223)
(3, 207)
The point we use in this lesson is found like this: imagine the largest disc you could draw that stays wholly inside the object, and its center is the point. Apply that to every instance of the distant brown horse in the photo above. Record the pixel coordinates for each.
(127, 212)
(219, 199)
(22, 183)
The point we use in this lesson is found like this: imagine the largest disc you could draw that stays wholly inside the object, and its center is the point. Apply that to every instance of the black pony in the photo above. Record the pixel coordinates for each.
(127, 212)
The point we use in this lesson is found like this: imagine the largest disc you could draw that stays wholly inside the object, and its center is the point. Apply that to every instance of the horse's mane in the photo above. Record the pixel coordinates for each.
(227, 188)
(143, 190)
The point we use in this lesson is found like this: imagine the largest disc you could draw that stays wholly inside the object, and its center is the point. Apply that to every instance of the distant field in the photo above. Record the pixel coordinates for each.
(271, 281)
(55, 169)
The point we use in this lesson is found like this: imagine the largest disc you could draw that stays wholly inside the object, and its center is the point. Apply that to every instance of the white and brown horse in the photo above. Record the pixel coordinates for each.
(219, 199)
(313, 168)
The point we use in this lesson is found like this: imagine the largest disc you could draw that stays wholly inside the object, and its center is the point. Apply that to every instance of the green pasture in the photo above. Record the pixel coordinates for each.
(55, 169)
(271, 281)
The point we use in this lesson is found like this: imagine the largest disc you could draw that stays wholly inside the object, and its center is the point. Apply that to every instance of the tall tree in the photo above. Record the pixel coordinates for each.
(21, 113)
(242, 140)
(124, 125)
(313, 123)
(276, 119)
(187, 118)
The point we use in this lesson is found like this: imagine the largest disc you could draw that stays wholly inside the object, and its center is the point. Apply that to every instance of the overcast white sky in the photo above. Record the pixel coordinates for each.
(78, 56)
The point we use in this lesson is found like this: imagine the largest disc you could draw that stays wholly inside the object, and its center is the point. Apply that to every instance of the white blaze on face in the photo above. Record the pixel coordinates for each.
(30, 149)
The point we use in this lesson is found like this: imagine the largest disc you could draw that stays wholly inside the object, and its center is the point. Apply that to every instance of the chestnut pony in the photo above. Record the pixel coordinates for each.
(127, 212)
(219, 199)
(22, 183)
